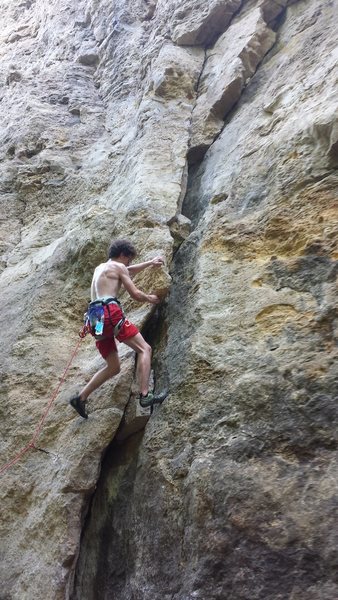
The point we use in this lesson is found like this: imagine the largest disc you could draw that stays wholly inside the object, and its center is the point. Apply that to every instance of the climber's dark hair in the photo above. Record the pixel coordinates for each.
(124, 247)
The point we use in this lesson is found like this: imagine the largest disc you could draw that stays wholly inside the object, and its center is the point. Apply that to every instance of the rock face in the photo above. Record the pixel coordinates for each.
(206, 132)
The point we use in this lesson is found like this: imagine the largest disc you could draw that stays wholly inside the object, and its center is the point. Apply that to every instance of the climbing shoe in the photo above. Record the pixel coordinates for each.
(79, 406)
(150, 399)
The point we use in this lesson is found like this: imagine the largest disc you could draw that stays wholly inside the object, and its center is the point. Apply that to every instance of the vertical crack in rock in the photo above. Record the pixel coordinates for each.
(256, 39)
(103, 535)
(106, 553)
(228, 68)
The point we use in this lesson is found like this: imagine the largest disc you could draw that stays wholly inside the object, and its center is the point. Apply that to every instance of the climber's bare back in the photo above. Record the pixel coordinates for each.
(106, 280)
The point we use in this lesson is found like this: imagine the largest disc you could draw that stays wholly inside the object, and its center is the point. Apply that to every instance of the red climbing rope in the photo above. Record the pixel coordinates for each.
(31, 443)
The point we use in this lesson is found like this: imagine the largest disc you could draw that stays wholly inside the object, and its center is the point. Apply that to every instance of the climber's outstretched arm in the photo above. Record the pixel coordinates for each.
(154, 262)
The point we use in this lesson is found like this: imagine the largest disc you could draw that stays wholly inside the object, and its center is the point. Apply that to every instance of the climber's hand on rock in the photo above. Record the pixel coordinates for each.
(157, 261)
(153, 299)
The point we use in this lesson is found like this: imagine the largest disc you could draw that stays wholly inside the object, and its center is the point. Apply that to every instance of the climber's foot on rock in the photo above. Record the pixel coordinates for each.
(79, 405)
(151, 398)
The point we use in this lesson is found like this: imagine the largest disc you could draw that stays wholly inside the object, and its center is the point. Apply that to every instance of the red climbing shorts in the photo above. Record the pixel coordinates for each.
(112, 315)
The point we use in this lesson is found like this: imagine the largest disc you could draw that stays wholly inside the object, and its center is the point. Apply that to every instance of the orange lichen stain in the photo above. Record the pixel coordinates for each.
(292, 155)
(257, 283)
(273, 318)
(287, 230)
(317, 372)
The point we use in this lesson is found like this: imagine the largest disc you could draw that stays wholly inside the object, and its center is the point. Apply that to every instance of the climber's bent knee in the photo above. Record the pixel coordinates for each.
(138, 344)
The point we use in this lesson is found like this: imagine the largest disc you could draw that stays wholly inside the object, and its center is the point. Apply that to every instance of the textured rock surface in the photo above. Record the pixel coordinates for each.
(228, 68)
(231, 491)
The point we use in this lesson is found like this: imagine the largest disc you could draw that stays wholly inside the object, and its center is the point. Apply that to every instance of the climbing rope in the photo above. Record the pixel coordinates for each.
(31, 443)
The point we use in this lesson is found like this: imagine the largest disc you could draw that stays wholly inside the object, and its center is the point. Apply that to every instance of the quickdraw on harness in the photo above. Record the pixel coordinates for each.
(94, 319)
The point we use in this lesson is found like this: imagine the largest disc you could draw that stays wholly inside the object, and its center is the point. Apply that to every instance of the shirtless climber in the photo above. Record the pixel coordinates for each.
(107, 321)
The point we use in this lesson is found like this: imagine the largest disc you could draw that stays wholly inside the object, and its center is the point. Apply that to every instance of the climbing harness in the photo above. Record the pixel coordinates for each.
(94, 319)
(31, 443)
